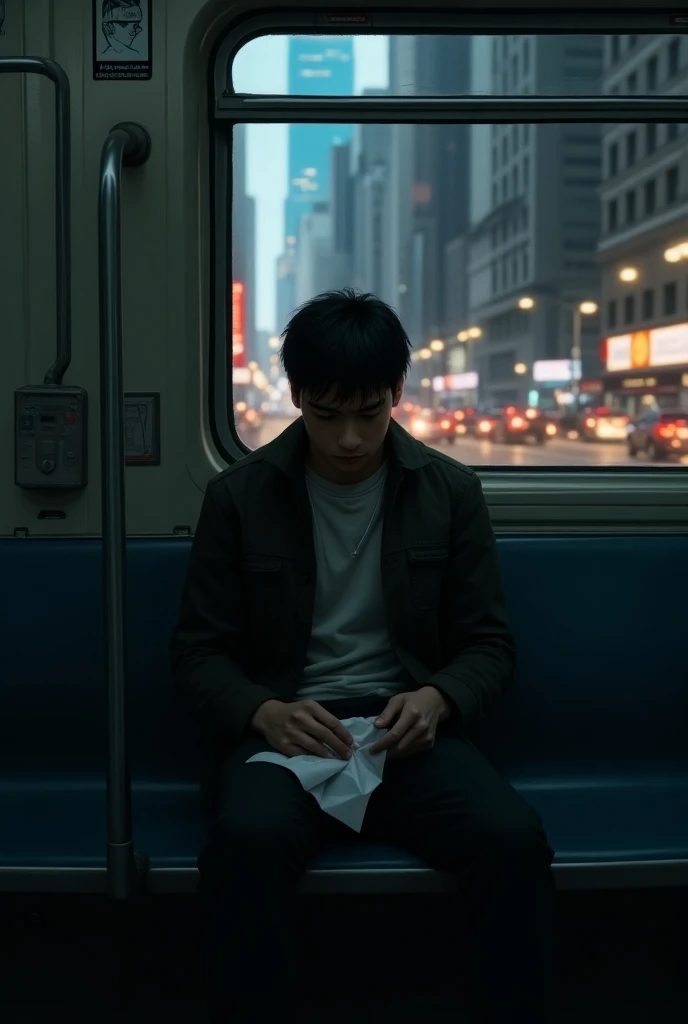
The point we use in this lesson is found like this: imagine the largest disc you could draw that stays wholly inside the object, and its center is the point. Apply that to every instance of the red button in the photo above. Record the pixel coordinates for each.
(70, 417)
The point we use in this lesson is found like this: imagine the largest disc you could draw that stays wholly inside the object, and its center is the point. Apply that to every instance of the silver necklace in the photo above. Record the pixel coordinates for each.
(370, 522)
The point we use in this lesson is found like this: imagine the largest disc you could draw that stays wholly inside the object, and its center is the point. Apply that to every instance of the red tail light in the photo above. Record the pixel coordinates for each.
(666, 430)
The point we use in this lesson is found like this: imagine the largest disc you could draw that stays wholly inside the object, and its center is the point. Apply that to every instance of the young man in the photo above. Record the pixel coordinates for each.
(344, 570)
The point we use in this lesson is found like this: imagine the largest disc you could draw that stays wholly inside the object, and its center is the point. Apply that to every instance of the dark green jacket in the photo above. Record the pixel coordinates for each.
(247, 607)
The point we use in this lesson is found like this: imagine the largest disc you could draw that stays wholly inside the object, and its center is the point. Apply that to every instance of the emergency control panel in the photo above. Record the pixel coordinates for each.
(50, 437)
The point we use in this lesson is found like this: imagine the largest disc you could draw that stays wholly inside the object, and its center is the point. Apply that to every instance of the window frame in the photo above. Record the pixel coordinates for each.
(531, 500)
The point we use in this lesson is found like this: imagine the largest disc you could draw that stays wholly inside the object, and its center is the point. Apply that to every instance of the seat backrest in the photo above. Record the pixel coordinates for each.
(601, 681)
(53, 702)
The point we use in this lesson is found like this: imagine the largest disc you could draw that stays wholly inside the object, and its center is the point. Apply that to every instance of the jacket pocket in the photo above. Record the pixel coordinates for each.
(427, 570)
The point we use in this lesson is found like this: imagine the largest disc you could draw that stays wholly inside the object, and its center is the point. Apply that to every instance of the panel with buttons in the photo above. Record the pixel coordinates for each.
(50, 437)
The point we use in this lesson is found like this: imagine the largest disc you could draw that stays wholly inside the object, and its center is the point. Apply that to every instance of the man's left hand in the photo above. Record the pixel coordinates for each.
(417, 714)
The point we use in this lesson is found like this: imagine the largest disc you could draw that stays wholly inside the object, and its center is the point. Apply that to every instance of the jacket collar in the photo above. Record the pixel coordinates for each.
(288, 450)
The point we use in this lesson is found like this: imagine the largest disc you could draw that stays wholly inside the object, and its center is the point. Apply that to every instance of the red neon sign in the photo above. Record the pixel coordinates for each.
(238, 325)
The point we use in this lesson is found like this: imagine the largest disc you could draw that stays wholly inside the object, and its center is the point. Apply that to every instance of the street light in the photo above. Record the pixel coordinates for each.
(520, 368)
(470, 334)
(676, 253)
(585, 308)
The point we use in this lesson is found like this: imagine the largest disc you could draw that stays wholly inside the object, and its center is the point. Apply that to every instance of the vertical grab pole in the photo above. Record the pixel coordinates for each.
(128, 143)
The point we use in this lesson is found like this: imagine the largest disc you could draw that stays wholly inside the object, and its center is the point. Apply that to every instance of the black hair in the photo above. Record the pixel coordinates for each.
(347, 340)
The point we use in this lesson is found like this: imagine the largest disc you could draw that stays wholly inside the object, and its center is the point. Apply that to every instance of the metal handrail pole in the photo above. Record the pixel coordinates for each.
(127, 144)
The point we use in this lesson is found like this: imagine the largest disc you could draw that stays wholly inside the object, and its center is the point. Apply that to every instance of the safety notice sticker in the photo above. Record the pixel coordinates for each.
(122, 39)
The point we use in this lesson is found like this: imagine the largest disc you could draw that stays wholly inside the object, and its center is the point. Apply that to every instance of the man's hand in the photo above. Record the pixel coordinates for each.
(302, 727)
(417, 715)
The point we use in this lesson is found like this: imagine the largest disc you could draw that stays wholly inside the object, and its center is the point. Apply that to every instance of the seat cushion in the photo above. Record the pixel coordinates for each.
(61, 822)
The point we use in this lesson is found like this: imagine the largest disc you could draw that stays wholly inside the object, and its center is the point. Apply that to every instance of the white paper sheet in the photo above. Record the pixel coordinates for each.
(341, 787)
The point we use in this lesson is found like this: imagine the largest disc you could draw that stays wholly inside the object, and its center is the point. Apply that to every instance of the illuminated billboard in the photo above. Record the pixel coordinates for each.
(461, 381)
(660, 346)
(555, 371)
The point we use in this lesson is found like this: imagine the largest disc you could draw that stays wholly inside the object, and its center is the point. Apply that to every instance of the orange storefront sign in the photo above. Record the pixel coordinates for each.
(640, 350)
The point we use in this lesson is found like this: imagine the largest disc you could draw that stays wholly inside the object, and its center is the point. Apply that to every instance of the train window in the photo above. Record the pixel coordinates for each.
(495, 243)
(447, 65)
(498, 309)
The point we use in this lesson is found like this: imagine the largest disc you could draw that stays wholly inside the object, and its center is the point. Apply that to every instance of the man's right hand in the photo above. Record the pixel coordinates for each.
(302, 727)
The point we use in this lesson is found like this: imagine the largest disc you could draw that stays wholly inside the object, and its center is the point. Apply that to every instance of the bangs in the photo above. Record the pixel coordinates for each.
(343, 358)
(348, 344)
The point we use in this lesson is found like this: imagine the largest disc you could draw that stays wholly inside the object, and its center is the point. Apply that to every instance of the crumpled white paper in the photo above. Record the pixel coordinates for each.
(341, 787)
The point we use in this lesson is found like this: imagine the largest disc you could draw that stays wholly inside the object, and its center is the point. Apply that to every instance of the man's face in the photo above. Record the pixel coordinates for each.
(346, 441)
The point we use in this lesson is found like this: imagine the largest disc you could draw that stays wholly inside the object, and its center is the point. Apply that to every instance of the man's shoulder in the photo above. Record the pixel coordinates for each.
(251, 467)
(254, 468)
(451, 470)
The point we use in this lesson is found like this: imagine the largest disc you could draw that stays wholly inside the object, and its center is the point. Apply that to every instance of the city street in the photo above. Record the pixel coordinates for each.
(476, 452)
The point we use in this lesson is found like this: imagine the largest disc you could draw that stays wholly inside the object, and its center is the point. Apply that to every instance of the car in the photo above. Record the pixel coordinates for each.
(432, 425)
(463, 418)
(466, 420)
(603, 424)
(659, 433)
(511, 423)
(484, 423)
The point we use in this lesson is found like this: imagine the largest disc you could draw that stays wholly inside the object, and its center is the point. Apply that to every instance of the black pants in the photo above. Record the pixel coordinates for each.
(448, 806)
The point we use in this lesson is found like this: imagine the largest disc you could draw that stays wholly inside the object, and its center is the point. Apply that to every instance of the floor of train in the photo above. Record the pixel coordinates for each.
(621, 957)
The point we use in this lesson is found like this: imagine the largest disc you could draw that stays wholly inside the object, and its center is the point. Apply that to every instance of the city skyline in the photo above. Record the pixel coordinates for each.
(499, 232)
(262, 67)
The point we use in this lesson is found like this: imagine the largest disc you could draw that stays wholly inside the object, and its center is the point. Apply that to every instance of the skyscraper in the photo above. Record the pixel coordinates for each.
(428, 194)
(536, 218)
(318, 66)
(642, 252)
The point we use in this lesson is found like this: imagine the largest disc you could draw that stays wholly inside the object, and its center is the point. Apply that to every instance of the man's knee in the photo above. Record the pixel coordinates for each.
(274, 831)
(513, 833)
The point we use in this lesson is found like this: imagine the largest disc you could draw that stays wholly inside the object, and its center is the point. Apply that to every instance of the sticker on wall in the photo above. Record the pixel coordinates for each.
(142, 428)
(122, 40)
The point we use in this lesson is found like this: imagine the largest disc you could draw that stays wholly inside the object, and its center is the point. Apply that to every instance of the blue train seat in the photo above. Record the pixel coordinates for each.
(592, 732)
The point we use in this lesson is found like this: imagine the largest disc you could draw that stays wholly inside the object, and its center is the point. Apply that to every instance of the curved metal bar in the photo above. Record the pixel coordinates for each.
(127, 144)
(63, 243)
